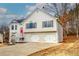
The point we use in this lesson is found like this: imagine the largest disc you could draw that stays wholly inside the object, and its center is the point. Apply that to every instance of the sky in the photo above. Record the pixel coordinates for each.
(15, 8)
(8, 11)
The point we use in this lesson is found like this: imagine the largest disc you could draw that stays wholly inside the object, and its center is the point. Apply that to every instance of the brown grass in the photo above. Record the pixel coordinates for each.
(69, 47)
(2, 45)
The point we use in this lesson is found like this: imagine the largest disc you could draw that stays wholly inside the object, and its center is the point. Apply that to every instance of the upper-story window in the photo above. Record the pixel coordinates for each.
(15, 27)
(31, 25)
(12, 27)
(47, 24)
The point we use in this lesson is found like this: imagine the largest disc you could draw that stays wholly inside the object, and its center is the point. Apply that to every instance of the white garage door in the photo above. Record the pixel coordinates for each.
(41, 37)
(50, 38)
(32, 38)
(35, 38)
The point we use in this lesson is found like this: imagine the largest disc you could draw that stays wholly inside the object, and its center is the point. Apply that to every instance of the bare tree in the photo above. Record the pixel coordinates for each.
(76, 17)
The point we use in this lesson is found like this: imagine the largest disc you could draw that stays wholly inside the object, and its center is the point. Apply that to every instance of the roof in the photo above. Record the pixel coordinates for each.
(17, 20)
(42, 9)
(20, 20)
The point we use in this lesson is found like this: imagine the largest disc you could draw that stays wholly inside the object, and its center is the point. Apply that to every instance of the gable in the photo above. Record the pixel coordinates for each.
(39, 15)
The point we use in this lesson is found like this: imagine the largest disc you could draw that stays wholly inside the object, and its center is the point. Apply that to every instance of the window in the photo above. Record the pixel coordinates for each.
(15, 27)
(47, 24)
(31, 25)
(12, 27)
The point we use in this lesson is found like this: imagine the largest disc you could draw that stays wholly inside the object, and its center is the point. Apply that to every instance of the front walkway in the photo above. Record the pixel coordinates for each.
(24, 49)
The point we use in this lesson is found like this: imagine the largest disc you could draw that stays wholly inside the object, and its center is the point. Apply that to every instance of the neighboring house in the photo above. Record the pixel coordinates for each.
(39, 26)
(1, 38)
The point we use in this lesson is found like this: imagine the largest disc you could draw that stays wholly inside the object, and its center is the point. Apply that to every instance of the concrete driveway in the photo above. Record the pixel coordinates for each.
(24, 49)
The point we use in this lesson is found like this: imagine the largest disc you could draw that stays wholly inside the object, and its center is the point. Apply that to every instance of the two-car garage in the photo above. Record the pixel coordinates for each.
(41, 37)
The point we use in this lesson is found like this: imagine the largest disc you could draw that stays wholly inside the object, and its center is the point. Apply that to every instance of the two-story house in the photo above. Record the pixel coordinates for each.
(39, 26)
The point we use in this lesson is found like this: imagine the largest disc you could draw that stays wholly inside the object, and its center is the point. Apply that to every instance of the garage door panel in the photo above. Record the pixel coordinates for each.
(35, 38)
(41, 37)
(50, 38)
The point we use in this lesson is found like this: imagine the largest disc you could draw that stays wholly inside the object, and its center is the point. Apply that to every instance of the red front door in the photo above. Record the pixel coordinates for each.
(21, 31)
